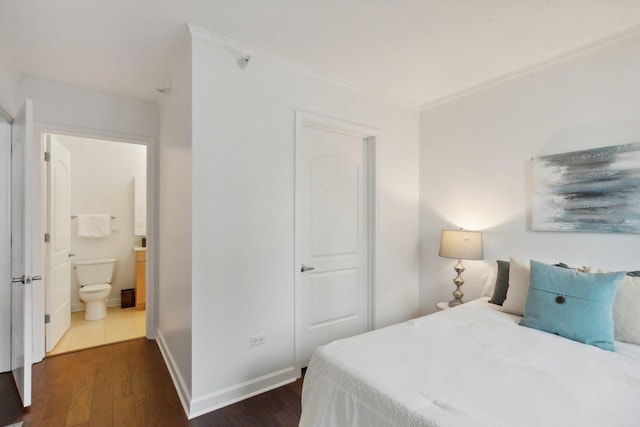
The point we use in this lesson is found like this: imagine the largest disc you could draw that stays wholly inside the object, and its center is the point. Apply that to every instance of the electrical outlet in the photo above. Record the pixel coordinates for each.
(255, 340)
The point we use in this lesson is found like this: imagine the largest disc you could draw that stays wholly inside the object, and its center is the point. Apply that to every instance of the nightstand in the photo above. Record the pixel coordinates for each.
(442, 305)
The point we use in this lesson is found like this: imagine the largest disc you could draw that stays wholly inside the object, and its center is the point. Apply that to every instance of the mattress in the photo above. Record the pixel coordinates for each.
(472, 365)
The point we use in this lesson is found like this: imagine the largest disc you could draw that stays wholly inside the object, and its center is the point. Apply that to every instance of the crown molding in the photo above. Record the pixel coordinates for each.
(11, 80)
(174, 61)
(245, 49)
(608, 41)
(9, 67)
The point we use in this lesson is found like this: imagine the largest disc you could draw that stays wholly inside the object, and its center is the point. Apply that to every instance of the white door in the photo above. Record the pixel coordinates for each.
(21, 246)
(58, 277)
(332, 233)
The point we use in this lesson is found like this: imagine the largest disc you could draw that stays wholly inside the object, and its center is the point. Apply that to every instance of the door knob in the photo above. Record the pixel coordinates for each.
(304, 268)
(25, 279)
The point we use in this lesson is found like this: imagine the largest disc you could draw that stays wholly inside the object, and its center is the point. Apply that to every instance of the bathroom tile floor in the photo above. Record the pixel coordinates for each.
(119, 325)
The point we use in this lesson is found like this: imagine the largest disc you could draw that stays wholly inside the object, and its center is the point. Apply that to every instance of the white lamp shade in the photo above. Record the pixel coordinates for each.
(460, 244)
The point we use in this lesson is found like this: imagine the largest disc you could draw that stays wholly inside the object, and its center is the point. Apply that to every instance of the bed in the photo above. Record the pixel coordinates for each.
(472, 365)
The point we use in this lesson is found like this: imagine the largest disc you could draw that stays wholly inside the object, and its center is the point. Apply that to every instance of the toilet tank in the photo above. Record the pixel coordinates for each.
(95, 271)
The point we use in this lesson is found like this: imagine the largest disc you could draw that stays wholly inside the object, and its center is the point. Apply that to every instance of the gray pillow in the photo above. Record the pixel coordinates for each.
(502, 283)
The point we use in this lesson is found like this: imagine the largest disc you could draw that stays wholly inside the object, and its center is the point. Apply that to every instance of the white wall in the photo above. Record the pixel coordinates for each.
(474, 163)
(61, 106)
(102, 182)
(243, 207)
(175, 228)
(9, 86)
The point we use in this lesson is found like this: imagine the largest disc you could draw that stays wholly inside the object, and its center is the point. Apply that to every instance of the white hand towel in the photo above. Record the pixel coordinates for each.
(94, 225)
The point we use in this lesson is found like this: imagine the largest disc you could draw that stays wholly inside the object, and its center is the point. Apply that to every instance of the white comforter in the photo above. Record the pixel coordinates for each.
(470, 366)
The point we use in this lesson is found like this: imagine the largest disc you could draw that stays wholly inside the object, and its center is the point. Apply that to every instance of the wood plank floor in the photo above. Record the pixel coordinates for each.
(128, 384)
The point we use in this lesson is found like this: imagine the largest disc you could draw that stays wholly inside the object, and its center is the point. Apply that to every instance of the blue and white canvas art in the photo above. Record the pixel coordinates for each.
(595, 190)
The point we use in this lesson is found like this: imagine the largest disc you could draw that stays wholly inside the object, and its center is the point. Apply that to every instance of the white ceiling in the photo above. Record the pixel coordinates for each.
(417, 50)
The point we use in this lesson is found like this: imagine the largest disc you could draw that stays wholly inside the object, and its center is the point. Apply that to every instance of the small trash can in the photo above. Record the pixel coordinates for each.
(127, 298)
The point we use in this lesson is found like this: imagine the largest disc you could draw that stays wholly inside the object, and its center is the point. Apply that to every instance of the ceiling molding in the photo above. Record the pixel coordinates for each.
(4, 60)
(245, 49)
(602, 43)
(5, 115)
(174, 60)
(10, 80)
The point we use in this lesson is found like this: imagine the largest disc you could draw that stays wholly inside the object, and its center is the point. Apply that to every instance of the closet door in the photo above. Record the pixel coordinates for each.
(332, 233)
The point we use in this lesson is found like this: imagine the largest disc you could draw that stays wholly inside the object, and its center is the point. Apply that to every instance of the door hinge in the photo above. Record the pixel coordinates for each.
(47, 237)
(47, 318)
(47, 156)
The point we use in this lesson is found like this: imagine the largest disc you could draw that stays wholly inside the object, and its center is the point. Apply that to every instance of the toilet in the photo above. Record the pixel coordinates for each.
(94, 277)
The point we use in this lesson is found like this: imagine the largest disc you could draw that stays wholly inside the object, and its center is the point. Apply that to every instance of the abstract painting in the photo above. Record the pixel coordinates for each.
(595, 190)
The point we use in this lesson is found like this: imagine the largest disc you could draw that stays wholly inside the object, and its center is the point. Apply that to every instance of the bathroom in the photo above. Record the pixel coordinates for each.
(105, 178)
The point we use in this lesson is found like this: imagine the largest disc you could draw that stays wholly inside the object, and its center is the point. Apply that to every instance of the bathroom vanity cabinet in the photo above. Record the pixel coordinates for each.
(140, 277)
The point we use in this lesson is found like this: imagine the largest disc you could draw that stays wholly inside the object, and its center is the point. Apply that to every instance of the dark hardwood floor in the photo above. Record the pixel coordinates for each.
(128, 384)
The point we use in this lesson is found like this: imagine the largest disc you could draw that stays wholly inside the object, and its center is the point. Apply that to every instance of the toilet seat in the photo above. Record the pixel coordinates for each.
(90, 289)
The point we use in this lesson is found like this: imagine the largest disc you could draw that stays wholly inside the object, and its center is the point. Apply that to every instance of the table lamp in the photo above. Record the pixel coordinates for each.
(460, 244)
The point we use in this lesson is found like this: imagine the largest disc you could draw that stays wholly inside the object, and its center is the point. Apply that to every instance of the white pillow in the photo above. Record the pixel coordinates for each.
(518, 286)
(489, 278)
(626, 310)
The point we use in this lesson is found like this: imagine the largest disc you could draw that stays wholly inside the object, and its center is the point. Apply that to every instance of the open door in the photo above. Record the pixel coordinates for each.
(58, 273)
(21, 250)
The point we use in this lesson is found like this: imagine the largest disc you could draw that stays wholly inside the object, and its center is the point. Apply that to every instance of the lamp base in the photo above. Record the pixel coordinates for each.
(455, 302)
(458, 281)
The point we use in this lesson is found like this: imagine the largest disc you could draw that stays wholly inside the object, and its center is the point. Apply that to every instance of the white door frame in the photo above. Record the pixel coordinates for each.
(40, 130)
(370, 138)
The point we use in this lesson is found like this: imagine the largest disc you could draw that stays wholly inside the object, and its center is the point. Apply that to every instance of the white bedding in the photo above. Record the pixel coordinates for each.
(472, 365)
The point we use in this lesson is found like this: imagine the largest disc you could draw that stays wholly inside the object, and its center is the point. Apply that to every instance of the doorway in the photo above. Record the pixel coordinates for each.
(101, 178)
(334, 231)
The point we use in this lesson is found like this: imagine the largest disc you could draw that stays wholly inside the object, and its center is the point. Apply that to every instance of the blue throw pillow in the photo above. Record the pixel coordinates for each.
(572, 304)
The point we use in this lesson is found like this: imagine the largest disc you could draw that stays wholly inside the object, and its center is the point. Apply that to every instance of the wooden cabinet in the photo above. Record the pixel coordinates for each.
(140, 277)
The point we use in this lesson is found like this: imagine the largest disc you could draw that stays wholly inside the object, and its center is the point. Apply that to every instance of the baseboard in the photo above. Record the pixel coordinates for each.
(242, 391)
(224, 397)
(176, 377)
